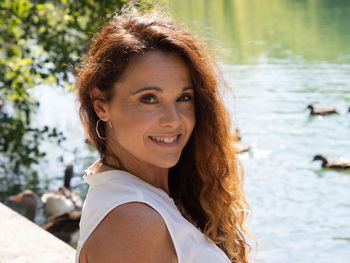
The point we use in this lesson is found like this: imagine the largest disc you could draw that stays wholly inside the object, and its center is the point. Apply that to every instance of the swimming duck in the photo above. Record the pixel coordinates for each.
(339, 164)
(64, 225)
(240, 147)
(322, 111)
(237, 135)
(63, 200)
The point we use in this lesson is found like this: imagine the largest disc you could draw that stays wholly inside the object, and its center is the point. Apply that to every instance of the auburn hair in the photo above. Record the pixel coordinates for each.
(207, 180)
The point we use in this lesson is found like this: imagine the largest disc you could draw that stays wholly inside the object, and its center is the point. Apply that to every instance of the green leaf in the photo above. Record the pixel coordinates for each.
(40, 7)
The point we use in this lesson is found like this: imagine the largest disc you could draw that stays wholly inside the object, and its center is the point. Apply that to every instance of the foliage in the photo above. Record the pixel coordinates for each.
(41, 42)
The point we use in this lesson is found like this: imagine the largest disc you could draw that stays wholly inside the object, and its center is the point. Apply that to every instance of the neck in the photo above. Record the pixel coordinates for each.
(30, 213)
(68, 173)
(324, 162)
(149, 173)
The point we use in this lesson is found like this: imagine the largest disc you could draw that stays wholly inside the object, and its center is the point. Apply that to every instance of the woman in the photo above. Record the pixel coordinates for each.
(167, 187)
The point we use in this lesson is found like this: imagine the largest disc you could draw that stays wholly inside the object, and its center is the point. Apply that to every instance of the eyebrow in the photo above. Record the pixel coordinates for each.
(157, 89)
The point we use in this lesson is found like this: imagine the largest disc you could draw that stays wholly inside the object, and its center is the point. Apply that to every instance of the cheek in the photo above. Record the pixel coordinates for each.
(193, 122)
(132, 123)
(190, 118)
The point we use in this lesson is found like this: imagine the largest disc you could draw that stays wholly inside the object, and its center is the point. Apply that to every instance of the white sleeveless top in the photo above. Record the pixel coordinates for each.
(112, 188)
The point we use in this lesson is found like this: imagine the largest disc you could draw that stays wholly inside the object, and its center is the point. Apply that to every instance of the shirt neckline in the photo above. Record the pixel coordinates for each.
(89, 178)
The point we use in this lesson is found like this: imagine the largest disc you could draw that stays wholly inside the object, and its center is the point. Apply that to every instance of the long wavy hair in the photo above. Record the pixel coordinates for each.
(207, 180)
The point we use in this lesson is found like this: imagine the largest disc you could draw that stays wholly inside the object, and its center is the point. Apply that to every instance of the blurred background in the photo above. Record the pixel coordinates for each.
(277, 57)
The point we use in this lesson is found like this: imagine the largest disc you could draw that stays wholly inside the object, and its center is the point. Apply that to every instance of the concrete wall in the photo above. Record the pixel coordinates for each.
(22, 241)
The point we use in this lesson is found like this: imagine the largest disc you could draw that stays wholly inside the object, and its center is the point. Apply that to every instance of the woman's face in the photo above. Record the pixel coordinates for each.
(152, 111)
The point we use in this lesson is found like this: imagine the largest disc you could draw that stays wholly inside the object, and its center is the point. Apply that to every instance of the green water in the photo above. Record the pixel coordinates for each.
(278, 56)
(266, 31)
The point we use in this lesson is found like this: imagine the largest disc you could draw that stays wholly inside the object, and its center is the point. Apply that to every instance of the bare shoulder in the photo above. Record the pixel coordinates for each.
(133, 232)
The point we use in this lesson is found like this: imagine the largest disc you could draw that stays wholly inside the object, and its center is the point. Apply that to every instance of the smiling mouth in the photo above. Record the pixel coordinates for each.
(166, 141)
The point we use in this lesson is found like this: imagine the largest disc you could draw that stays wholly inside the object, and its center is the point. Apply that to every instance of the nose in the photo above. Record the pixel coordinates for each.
(170, 116)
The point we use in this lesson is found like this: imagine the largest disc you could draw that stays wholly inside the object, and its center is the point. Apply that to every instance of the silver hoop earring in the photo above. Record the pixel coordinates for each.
(98, 134)
(110, 124)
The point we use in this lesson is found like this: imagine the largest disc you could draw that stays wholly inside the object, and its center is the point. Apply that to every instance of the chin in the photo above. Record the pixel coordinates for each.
(168, 163)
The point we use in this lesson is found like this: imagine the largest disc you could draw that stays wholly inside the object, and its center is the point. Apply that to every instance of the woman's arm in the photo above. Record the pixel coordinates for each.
(133, 233)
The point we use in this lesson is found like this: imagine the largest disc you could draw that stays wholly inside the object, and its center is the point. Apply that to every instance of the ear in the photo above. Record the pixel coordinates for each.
(100, 105)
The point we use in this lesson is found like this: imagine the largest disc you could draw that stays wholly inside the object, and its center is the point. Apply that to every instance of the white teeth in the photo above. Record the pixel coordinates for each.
(164, 139)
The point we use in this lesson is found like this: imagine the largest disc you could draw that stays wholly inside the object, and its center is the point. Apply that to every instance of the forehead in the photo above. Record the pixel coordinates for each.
(156, 66)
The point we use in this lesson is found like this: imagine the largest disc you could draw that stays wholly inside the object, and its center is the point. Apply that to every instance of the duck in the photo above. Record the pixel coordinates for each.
(63, 200)
(322, 111)
(64, 226)
(342, 163)
(239, 147)
(28, 198)
(236, 135)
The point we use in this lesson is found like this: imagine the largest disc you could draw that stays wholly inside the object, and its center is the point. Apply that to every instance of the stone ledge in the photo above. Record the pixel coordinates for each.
(22, 241)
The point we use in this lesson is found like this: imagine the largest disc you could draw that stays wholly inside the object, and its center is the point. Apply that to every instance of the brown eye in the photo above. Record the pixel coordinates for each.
(185, 97)
(148, 99)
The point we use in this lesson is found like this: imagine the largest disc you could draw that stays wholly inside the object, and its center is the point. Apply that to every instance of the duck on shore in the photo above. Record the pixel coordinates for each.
(64, 225)
(338, 164)
(63, 200)
(322, 111)
(28, 198)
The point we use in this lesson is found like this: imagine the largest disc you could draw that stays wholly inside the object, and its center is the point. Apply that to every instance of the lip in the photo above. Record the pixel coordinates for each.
(164, 144)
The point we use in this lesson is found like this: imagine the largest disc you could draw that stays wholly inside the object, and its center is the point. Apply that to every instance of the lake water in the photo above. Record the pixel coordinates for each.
(277, 56)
